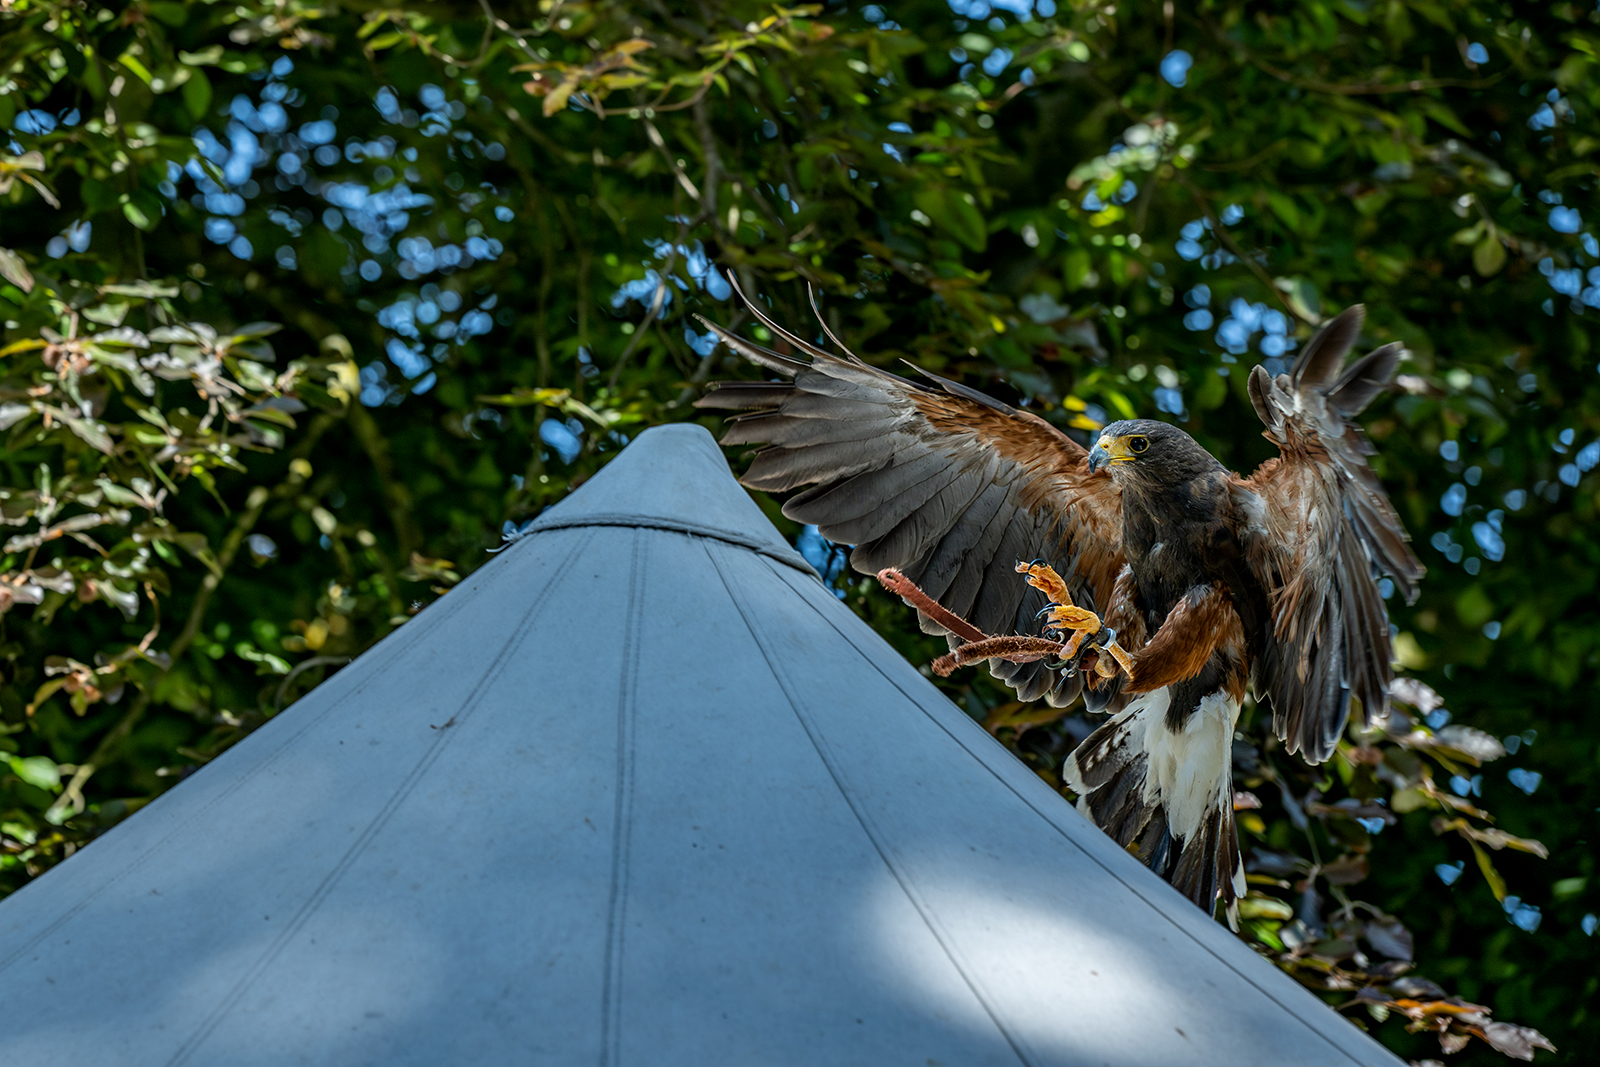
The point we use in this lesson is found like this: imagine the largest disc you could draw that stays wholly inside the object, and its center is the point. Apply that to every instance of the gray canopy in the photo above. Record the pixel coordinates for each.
(638, 791)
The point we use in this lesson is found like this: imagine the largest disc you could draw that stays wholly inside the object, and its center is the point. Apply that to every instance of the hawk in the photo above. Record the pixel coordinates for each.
(1210, 585)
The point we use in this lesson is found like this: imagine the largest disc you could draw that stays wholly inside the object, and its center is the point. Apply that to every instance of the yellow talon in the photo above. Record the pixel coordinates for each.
(1071, 617)
(1044, 578)
(1082, 623)
(1064, 614)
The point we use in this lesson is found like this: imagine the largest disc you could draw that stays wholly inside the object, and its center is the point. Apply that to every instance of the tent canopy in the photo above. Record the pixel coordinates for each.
(638, 791)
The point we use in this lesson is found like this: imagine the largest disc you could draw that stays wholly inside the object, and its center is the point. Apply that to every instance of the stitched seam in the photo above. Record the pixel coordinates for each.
(868, 827)
(790, 559)
(379, 821)
(621, 835)
(1155, 906)
(407, 640)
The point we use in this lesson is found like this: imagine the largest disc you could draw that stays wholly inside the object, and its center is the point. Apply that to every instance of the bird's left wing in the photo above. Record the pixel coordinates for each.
(945, 484)
(1318, 530)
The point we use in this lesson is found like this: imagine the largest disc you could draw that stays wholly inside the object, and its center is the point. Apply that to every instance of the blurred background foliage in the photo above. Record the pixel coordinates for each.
(305, 303)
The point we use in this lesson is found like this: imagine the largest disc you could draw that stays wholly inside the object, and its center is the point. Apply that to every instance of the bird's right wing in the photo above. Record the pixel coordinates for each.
(943, 483)
(1318, 531)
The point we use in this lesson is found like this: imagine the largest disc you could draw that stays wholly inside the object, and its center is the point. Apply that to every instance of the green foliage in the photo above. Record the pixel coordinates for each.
(484, 231)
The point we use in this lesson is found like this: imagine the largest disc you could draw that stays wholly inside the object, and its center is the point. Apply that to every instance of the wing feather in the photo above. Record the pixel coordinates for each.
(1318, 531)
(951, 487)
(878, 500)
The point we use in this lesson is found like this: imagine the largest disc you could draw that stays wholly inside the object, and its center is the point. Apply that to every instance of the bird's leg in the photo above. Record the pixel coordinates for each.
(1064, 615)
(1119, 655)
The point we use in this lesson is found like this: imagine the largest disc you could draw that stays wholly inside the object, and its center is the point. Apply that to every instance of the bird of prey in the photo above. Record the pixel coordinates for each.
(1209, 584)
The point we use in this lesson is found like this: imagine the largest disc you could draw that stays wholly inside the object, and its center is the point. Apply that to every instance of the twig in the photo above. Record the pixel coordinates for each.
(1248, 161)
(395, 494)
(72, 796)
(658, 107)
(301, 667)
(505, 27)
(714, 168)
(1414, 85)
(677, 171)
(657, 302)
(1227, 241)
(703, 371)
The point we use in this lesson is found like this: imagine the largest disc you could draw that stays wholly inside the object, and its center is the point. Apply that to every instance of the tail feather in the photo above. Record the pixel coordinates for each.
(1156, 848)
(1121, 819)
(1171, 790)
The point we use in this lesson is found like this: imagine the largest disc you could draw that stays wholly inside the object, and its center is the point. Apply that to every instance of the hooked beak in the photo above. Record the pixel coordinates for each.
(1108, 450)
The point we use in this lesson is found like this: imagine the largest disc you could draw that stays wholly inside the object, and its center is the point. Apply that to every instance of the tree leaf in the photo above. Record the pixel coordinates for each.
(39, 771)
(556, 98)
(92, 432)
(1283, 206)
(1467, 742)
(197, 93)
(136, 215)
(1497, 884)
(955, 213)
(13, 413)
(1489, 255)
(15, 271)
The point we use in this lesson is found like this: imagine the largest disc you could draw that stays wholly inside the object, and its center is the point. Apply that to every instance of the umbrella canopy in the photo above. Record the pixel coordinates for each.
(639, 791)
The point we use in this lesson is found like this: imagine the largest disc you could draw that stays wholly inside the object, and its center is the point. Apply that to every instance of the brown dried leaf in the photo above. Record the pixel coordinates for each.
(1415, 693)
(1390, 939)
(1415, 987)
(1495, 839)
(1450, 1007)
(1346, 870)
(1265, 861)
(1498, 839)
(1351, 808)
(1471, 744)
(14, 270)
(1518, 1042)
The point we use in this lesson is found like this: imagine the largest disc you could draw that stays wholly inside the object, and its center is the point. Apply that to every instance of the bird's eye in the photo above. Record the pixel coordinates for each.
(1137, 445)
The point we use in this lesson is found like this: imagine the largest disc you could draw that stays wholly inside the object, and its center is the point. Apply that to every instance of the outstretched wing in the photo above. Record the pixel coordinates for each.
(1318, 531)
(945, 484)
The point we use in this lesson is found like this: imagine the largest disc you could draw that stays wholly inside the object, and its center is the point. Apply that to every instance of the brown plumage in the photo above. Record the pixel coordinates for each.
(1213, 583)
(1201, 625)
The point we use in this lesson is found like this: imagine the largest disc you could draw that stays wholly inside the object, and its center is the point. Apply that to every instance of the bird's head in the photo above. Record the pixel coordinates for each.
(1143, 451)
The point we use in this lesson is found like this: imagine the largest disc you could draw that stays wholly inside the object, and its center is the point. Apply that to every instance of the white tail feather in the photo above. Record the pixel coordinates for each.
(1191, 771)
